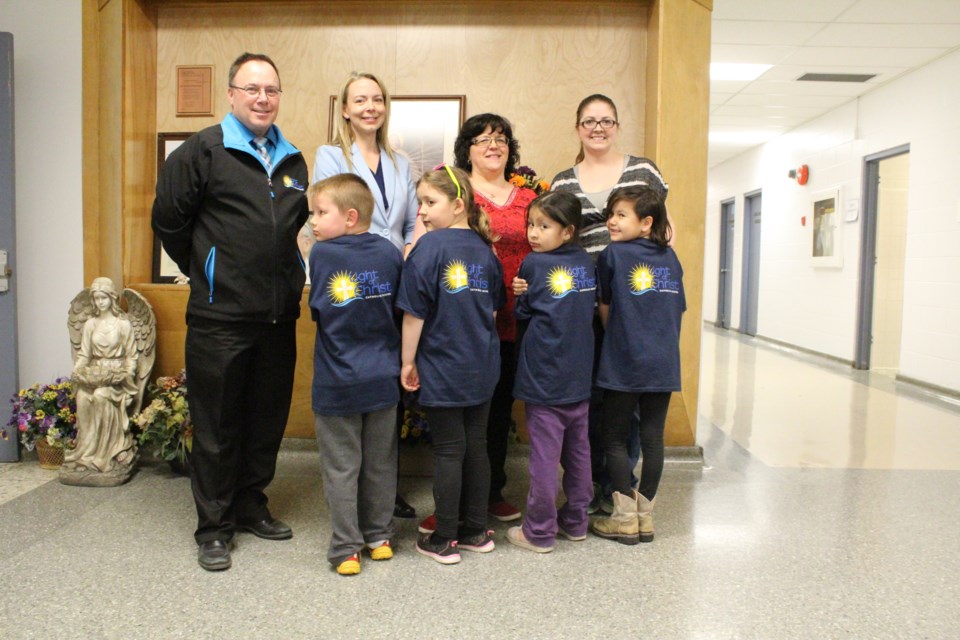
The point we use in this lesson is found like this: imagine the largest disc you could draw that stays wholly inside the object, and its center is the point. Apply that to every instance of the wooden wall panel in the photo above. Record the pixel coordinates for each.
(678, 94)
(531, 62)
(139, 138)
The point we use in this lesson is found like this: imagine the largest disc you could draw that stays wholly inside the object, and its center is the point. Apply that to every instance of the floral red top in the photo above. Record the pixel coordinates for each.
(509, 225)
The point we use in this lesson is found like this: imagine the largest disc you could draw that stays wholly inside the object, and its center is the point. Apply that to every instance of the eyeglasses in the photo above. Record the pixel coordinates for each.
(591, 123)
(486, 141)
(253, 90)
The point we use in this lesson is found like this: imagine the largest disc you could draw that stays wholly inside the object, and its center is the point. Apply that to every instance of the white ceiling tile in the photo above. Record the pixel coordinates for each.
(808, 88)
(766, 112)
(944, 36)
(896, 11)
(750, 53)
(810, 10)
(763, 32)
(821, 103)
(862, 57)
(727, 86)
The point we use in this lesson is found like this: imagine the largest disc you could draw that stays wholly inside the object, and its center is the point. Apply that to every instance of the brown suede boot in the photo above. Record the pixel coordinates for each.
(644, 516)
(623, 524)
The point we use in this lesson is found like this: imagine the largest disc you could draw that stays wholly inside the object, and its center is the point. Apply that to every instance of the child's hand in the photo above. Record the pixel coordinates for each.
(409, 377)
(519, 286)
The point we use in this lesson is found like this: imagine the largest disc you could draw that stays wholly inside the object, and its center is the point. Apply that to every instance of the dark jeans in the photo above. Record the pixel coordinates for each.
(618, 411)
(499, 421)
(597, 458)
(459, 436)
(240, 377)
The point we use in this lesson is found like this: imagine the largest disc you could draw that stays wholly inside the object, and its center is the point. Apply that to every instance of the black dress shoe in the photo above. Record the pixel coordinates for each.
(403, 510)
(269, 529)
(214, 555)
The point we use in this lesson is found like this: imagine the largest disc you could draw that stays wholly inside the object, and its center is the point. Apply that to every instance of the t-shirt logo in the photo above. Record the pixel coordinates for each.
(559, 282)
(644, 279)
(562, 280)
(342, 288)
(457, 277)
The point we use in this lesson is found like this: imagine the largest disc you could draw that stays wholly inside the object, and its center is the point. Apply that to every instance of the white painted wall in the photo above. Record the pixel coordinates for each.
(49, 210)
(815, 307)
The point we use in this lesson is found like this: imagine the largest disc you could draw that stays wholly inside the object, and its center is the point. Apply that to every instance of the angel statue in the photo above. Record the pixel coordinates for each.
(113, 355)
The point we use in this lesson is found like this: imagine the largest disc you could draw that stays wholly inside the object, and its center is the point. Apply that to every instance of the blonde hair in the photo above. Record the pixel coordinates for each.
(347, 191)
(454, 183)
(343, 134)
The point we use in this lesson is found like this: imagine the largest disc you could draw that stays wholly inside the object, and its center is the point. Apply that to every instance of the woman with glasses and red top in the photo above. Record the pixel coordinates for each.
(599, 169)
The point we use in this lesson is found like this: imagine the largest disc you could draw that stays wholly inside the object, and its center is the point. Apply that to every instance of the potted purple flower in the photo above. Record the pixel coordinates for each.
(45, 416)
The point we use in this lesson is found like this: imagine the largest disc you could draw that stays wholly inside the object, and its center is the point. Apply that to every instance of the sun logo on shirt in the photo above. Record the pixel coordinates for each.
(641, 280)
(342, 288)
(455, 277)
(559, 282)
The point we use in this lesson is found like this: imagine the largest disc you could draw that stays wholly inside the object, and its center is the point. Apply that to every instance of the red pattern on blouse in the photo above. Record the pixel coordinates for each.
(509, 224)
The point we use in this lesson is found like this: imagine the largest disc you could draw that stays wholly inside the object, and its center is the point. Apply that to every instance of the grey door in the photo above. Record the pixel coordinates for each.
(8, 297)
(725, 288)
(750, 278)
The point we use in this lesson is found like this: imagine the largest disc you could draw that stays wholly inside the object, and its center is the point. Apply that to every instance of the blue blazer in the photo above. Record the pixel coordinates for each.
(395, 222)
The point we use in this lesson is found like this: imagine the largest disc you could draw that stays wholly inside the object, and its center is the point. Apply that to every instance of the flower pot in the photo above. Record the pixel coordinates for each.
(50, 457)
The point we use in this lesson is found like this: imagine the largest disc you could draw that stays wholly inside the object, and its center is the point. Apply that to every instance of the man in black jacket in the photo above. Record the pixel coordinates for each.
(230, 201)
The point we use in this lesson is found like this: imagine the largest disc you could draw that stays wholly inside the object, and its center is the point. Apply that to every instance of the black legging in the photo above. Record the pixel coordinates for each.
(459, 436)
(618, 408)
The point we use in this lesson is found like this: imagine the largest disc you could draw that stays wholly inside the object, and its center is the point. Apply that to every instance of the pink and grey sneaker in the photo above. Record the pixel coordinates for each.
(443, 551)
(480, 542)
(503, 511)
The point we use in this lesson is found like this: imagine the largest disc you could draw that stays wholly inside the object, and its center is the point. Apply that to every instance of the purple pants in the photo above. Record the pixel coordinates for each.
(558, 435)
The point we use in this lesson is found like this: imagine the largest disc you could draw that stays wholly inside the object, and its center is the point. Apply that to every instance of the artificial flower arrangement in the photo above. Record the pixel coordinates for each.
(164, 424)
(45, 411)
(414, 428)
(525, 177)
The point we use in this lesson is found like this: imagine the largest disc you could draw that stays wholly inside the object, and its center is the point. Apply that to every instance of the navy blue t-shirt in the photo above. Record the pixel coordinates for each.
(452, 281)
(356, 359)
(555, 360)
(643, 284)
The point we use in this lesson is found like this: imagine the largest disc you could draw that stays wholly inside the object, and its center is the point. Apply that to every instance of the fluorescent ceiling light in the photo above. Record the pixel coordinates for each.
(737, 71)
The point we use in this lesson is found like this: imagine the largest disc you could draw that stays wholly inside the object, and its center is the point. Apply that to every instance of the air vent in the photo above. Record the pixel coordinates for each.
(836, 77)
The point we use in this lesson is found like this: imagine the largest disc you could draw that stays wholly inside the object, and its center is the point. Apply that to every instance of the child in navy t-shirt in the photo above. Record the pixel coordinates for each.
(451, 288)
(555, 356)
(641, 302)
(354, 277)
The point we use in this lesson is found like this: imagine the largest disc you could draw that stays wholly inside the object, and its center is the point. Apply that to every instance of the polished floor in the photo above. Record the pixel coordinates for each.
(828, 507)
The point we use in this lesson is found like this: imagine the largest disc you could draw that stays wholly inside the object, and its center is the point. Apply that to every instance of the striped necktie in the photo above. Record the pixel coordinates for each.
(261, 144)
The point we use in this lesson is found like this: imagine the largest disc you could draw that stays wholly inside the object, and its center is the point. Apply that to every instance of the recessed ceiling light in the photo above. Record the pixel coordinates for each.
(737, 71)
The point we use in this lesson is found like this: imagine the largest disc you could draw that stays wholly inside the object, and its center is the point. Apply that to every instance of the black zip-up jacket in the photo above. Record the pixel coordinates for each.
(231, 227)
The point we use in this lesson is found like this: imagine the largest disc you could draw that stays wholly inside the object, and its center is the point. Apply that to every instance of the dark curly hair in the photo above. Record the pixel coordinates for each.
(475, 126)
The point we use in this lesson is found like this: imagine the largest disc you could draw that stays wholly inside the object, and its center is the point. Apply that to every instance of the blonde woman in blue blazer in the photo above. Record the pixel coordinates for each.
(361, 147)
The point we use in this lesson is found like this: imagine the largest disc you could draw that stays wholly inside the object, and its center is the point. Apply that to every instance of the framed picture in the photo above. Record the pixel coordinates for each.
(422, 128)
(826, 239)
(164, 268)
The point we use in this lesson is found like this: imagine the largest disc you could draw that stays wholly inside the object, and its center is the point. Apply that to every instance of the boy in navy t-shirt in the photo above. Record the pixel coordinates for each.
(354, 277)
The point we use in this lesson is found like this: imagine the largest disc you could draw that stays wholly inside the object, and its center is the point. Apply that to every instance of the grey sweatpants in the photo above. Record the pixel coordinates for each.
(358, 457)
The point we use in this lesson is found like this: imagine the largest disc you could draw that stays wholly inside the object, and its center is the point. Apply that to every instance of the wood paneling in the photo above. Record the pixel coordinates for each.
(531, 62)
(677, 117)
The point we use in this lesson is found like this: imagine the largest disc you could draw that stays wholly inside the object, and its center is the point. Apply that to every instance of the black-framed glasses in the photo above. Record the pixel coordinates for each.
(253, 90)
(486, 141)
(591, 123)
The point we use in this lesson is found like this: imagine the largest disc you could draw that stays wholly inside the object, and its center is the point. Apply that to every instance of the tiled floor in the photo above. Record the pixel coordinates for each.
(827, 508)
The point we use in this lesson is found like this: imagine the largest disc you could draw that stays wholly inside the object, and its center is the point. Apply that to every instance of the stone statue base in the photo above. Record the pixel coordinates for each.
(84, 477)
